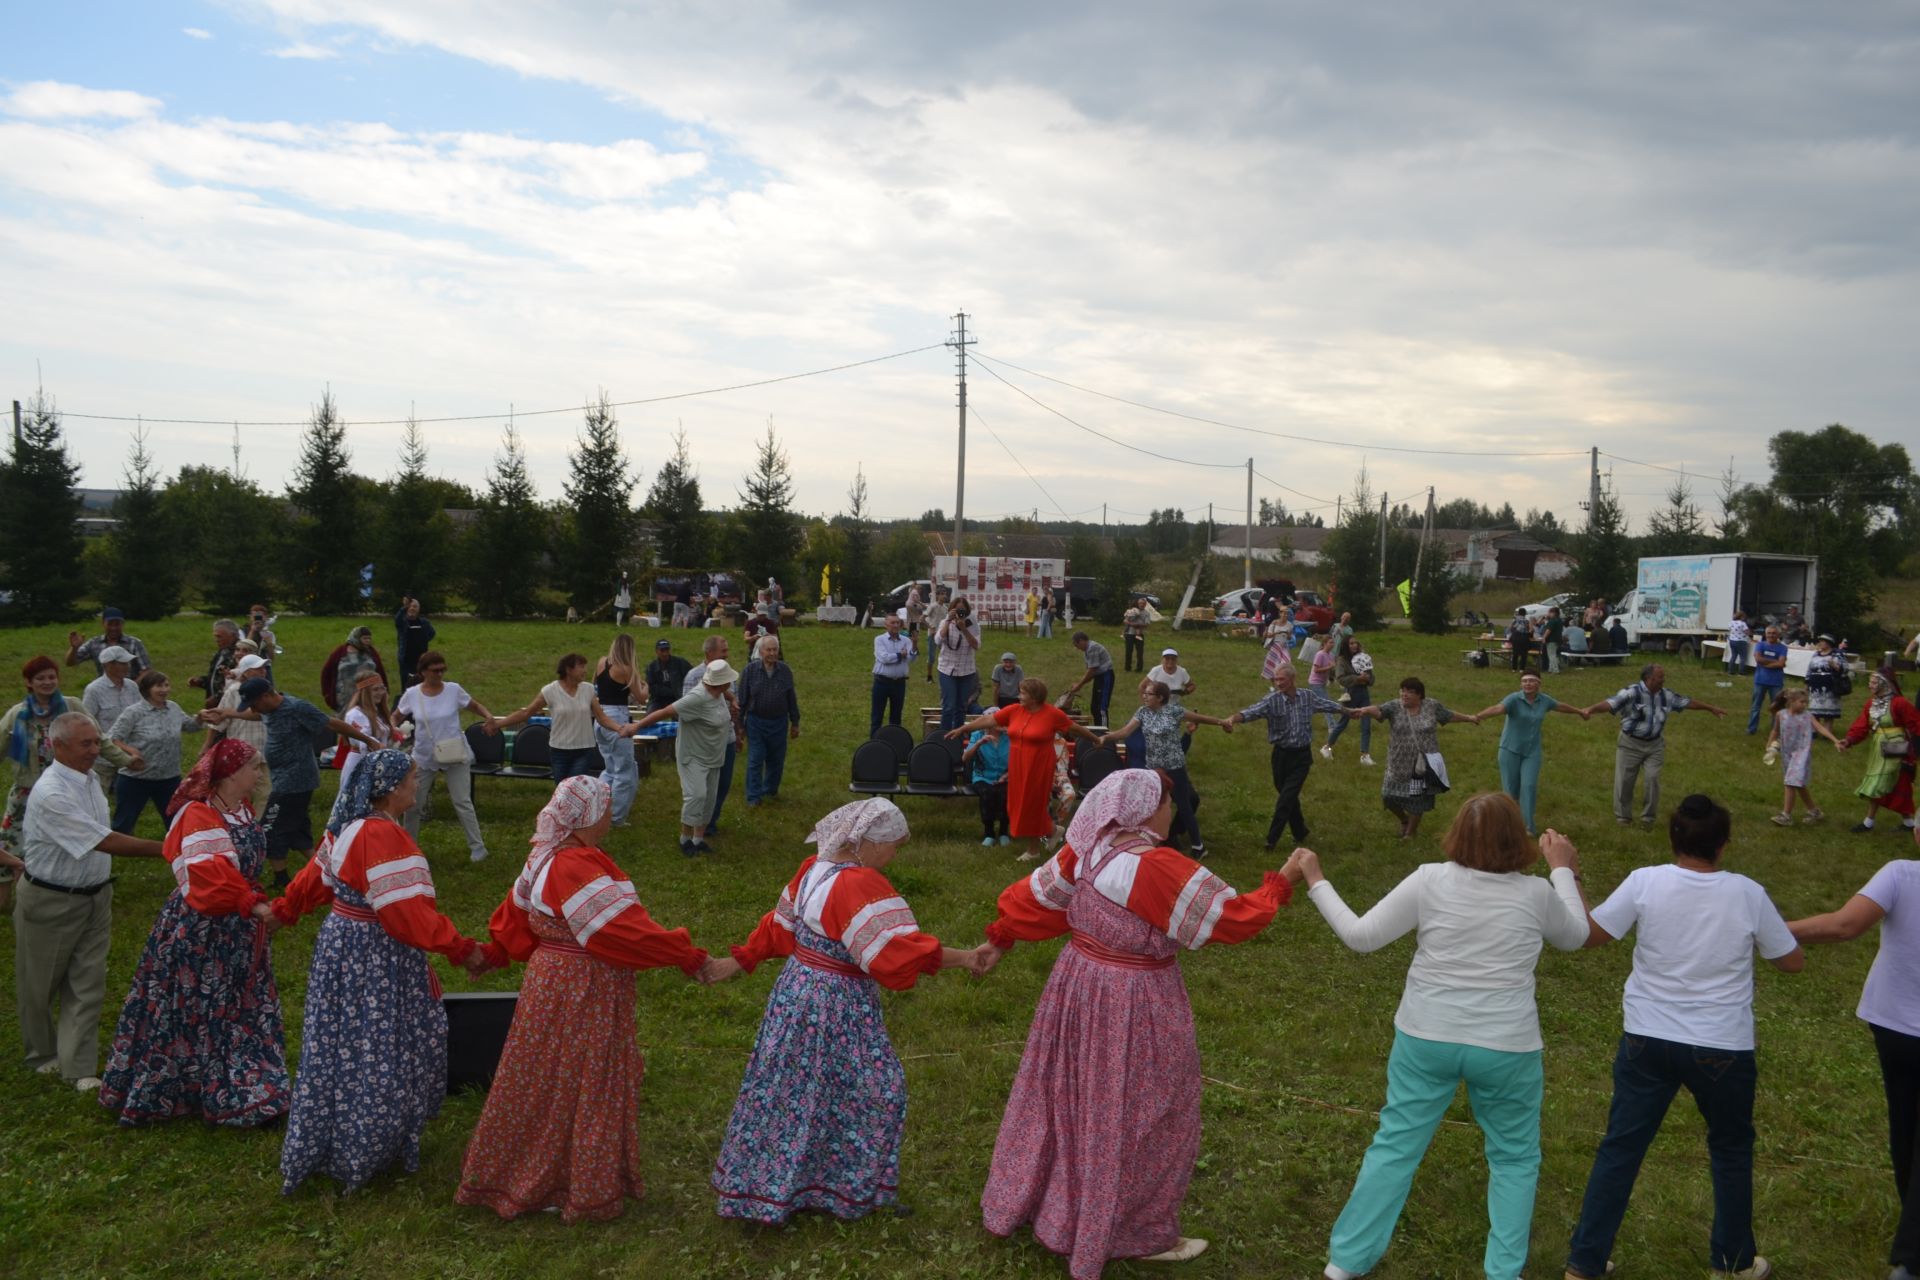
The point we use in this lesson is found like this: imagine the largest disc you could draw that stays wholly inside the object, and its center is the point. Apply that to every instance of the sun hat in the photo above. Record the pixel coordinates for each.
(252, 662)
(114, 653)
(719, 672)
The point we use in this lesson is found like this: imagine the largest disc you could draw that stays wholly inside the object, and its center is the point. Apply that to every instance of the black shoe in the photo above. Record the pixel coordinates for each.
(701, 846)
(1199, 852)
(1272, 845)
(281, 879)
(1860, 828)
(687, 849)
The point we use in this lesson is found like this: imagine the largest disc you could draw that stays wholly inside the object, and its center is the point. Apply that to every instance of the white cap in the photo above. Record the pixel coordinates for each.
(115, 653)
(252, 662)
(1169, 653)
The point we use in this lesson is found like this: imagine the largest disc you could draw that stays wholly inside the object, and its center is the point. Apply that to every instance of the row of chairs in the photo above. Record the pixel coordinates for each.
(933, 768)
(532, 755)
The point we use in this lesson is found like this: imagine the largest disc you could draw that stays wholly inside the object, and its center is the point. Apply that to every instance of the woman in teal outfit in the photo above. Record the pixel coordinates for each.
(1520, 753)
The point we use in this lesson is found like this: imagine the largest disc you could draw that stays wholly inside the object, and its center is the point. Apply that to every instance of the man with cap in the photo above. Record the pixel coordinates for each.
(666, 676)
(1171, 674)
(1007, 676)
(113, 624)
(105, 697)
(707, 725)
(63, 923)
(294, 726)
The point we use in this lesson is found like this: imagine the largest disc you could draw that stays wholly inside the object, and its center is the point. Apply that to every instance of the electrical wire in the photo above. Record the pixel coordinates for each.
(1279, 435)
(519, 413)
(974, 414)
(1164, 457)
(1325, 502)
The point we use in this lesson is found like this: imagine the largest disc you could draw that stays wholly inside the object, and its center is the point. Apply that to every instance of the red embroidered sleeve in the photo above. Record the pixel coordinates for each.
(876, 926)
(589, 892)
(1034, 908)
(200, 851)
(308, 892)
(400, 890)
(1193, 906)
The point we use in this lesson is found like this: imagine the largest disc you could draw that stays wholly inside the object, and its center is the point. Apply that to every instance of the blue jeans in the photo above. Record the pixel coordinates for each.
(766, 756)
(890, 696)
(1647, 1072)
(1737, 655)
(725, 784)
(1102, 695)
(955, 691)
(130, 796)
(1359, 695)
(1422, 1077)
(623, 771)
(1763, 696)
(570, 762)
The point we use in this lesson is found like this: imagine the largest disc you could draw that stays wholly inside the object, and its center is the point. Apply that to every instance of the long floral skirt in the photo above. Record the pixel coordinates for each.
(561, 1124)
(373, 1058)
(200, 1033)
(823, 1105)
(1103, 1124)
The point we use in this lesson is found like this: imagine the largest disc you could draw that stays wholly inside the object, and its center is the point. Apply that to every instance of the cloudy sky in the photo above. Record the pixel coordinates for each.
(1497, 228)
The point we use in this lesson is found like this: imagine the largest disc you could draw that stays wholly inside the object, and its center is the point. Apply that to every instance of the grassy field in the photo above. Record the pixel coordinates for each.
(1294, 1030)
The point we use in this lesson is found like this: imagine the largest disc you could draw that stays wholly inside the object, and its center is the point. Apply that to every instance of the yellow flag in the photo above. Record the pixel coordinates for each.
(1406, 597)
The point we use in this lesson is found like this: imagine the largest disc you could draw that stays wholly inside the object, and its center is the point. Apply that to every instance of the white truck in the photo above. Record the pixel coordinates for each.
(997, 586)
(1682, 600)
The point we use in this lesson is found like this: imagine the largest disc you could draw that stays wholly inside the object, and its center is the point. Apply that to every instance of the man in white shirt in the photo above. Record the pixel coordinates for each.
(63, 923)
(893, 655)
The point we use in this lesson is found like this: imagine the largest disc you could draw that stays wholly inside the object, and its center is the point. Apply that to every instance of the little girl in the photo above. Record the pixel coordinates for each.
(1792, 737)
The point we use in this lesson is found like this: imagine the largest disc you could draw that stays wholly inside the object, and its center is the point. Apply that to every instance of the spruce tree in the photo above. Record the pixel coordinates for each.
(510, 538)
(326, 545)
(40, 543)
(144, 575)
(599, 510)
(767, 532)
(683, 532)
(859, 573)
(418, 544)
(227, 533)
(1607, 564)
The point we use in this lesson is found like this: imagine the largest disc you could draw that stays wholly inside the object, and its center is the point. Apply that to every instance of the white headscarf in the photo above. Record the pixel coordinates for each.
(1117, 810)
(577, 803)
(877, 819)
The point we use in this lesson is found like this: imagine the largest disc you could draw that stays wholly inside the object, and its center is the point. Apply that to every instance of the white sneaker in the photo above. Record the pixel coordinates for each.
(87, 1084)
(1186, 1249)
(477, 855)
(1326, 753)
(48, 1067)
(1366, 759)
(1760, 1270)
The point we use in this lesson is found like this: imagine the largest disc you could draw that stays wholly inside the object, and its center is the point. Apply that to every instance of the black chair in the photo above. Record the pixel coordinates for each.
(954, 747)
(1095, 764)
(875, 771)
(531, 756)
(930, 771)
(897, 738)
(489, 750)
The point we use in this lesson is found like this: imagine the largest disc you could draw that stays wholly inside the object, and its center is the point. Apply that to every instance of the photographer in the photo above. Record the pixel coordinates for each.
(957, 639)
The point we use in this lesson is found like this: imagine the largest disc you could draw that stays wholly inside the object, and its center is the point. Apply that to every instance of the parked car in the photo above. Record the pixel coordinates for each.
(1311, 612)
(896, 599)
(1563, 602)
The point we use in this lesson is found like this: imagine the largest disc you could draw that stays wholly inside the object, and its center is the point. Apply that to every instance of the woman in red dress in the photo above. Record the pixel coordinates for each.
(1031, 725)
(561, 1126)
(1887, 718)
(1103, 1124)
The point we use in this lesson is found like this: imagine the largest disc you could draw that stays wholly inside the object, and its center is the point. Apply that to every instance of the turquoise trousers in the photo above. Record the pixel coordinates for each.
(1520, 778)
(1422, 1076)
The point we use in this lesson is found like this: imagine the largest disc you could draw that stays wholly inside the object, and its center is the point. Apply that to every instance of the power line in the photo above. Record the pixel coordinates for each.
(1221, 466)
(520, 413)
(1325, 502)
(975, 415)
(1280, 435)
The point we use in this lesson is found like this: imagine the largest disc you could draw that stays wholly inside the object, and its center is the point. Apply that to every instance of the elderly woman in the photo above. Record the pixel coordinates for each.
(1688, 1023)
(1031, 725)
(1415, 772)
(152, 731)
(700, 749)
(561, 1126)
(575, 711)
(1103, 1124)
(200, 1032)
(1890, 1006)
(1160, 721)
(373, 1052)
(1520, 753)
(1894, 727)
(821, 1109)
(1467, 1014)
(340, 674)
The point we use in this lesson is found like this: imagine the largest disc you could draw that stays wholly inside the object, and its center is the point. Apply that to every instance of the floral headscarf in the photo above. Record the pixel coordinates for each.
(1116, 809)
(877, 819)
(216, 765)
(377, 776)
(577, 803)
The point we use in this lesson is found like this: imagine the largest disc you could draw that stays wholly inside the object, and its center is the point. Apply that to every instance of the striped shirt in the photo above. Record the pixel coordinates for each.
(1289, 717)
(1643, 713)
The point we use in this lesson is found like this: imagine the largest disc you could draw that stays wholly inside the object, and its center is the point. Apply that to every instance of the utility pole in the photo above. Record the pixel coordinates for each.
(1426, 531)
(1246, 565)
(19, 434)
(1383, 541)
(1593, 485)
(1103, 520)
(236, 451)
(960, 342)
(1336, 510)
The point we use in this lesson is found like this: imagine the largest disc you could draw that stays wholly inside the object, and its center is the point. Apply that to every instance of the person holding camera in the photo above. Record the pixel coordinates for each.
(958, 642)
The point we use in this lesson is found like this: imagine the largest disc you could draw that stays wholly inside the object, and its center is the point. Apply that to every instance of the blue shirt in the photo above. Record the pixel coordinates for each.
(1289, 717)
(1521, 733)
(293, 730)
(990, 761)
(1643, 713)
(1769, 677)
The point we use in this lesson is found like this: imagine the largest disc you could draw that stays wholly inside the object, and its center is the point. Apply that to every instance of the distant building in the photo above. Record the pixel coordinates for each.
(1480, 554)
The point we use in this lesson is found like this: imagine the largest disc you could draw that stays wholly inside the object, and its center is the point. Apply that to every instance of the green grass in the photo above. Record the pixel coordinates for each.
(1294, 1030)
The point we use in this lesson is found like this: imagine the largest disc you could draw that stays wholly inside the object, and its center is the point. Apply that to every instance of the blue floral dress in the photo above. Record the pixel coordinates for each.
(200, 1033)
(824, 1101)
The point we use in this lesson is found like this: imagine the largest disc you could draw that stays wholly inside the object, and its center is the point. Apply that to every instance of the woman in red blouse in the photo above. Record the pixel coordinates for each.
(1031, 725)
(1103, 1125)
(200, 1033)
(561, 1126)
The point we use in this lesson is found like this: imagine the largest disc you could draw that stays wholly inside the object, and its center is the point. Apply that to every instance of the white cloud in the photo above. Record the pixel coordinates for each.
(52, 100)
(196, 33)
(305, 49)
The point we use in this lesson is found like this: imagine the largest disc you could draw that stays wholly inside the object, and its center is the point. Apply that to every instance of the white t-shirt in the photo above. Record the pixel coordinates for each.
(1891, 997)
(66, 820)
(1692, 979)
(572, 717)
(1479, 935)
(435, 718)
(1176, 680)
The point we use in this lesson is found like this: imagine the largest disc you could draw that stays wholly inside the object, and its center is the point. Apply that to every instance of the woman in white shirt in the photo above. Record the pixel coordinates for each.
(367, 711)
(433, 707)
(1467, 1014)
(574, 709)
(1688, 1023)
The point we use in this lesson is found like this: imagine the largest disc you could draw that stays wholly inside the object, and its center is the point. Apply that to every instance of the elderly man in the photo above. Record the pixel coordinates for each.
(1643, 709)
(771, 709)
(1134, 632)
(1007, 675)
(113, 634)
(63, 922)
(715, 649)
(220, 666)
(666, 676)
(1099, 671)
(893, 655)
(105, 697)
(1289, 715)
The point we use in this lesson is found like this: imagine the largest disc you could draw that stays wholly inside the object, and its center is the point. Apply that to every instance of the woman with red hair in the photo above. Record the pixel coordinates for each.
(200, 1034)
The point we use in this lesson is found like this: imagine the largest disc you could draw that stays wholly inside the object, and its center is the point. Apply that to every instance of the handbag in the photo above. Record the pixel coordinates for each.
(1842, 679)
(450, 751)
(1894, 746)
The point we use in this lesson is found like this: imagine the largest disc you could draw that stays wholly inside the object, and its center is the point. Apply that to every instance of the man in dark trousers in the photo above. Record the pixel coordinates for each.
(1288, 713)
(666, 675)
(414, 636)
